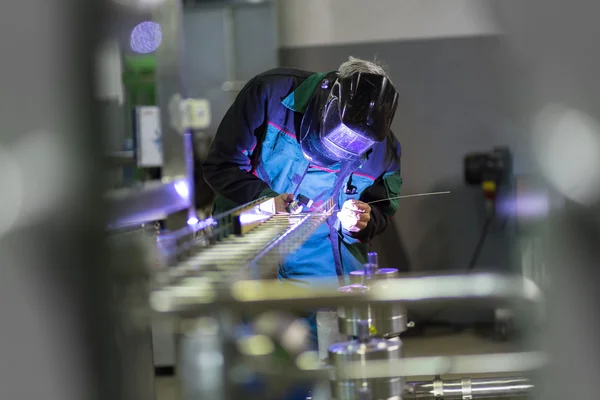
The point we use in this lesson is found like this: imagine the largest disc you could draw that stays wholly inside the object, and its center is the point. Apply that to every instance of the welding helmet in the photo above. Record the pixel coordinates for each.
(346, 117)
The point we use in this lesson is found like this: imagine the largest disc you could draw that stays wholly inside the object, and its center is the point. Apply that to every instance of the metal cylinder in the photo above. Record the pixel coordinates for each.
(387, 320)
(466, 388)
(362, 351)
(373, 259)
(380, 273)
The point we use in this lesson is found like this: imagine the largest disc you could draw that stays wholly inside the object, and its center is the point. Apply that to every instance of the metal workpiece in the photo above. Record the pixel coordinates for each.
(446, 365)
(151, 201)
(380, 273)
(383, 320)
(420, 293)
(243, 243)
(388, 388)
(204, 357)
(237, 257)
(467, 388)
(266, 263)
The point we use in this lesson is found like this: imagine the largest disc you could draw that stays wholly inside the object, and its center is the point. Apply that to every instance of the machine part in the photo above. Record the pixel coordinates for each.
(148, 202)
(373, 259)
(456, 365)
(328, 332)
(380, 273)
(365, 351)
(295, 207)
(218, 248)
(298, 205)
(420, 293)
(385, 320)
(467, 388)
(493, 166)
(266, 263)
(349, 318)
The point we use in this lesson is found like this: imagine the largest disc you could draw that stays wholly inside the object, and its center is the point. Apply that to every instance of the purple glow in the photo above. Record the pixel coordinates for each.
(199, 225)
(182, 189)
(145, 37)
(349, 140)
(530, 205)
(250, 218)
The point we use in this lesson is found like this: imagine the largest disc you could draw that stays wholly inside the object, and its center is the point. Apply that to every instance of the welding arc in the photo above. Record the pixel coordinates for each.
(410, 195)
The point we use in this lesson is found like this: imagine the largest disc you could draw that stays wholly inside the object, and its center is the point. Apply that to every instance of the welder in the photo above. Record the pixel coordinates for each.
(319, 135)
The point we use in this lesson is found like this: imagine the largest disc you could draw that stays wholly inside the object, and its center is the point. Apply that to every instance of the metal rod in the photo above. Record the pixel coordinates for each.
(447, 365)
(407, 196)
(419, 293)
(410, 195)
(467, 388)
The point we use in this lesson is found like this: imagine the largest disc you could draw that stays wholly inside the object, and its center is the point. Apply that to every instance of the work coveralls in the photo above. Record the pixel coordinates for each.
(256, 153)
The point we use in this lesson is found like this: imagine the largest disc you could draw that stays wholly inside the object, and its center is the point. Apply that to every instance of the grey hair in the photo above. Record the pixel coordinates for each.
(356, 65)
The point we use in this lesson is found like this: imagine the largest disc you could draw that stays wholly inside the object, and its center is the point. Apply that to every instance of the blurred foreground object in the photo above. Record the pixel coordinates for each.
(560, 93)
(58, 334)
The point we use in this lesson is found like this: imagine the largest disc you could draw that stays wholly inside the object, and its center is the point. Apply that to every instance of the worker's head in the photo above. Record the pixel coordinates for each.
(350, 111)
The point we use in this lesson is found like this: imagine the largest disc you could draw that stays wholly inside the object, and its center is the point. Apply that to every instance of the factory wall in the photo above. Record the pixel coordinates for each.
(335, 22)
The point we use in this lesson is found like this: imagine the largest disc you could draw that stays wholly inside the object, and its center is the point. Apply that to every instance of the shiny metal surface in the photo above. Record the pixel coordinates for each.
(467, 388)
(227, 257)
(362, 352)
(458, 364)
(147, 202)
(387, 320)
(414, 293)
(380, 273)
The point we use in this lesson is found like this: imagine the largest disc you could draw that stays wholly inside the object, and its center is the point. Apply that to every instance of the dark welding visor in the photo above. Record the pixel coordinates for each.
(345, 122)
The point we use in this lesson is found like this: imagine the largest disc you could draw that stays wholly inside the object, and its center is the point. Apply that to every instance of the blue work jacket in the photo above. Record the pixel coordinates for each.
(256, 153)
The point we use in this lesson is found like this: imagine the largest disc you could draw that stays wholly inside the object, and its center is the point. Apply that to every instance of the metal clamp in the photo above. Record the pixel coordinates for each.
(467, 392)
(438, 388)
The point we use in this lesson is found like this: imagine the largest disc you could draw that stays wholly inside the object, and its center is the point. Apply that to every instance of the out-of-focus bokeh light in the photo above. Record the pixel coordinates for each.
(527, 206)
(146, 37)
(193, 221)
(308, 361)
(11, 183)
(256, 345)
(567, 147)
(250, 218)
(182, 188)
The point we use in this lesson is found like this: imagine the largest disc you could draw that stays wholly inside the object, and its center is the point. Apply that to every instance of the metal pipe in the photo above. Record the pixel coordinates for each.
(418, 293)
(467, 388)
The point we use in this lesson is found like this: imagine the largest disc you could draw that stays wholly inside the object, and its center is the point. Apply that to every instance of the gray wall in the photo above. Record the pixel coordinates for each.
(455, 97)
(207, 56)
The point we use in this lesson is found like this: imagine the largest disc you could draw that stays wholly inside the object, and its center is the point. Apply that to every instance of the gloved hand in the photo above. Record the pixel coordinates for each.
(354, 215)
(282, 201)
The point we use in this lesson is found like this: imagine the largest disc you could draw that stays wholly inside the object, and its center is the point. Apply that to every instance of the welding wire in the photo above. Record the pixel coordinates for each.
(410, 195)
(407, 196)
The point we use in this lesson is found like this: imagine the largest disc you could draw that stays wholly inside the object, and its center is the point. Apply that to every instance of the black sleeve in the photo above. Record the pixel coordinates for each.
(227, 167)
(379, 219)
(384, 191)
